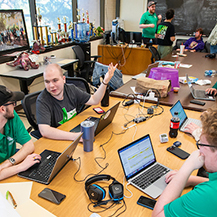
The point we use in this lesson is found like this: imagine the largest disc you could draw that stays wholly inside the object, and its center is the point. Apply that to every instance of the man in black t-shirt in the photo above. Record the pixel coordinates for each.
(165, 34)
(59, 102)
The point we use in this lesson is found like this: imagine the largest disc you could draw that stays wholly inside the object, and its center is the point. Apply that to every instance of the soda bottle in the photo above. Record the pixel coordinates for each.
(174, 125)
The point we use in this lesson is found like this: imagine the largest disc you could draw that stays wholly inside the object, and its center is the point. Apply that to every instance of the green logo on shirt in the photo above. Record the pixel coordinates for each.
(68, 115)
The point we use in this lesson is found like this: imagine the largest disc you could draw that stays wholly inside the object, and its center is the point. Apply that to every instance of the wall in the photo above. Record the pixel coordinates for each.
(38, 84)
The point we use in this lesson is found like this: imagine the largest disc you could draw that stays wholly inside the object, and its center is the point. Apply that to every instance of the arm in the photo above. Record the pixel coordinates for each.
(194, 130)
(54, 133)
(26, 149)
(143, 26)
(12, 170)
(98, 95)
(173, 38)
(176, 186)
(159, 18)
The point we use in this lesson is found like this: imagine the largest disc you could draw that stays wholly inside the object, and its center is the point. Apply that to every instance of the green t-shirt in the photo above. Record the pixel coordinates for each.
(215, 85)
(14, 131)
(148, 18)
(201, 201)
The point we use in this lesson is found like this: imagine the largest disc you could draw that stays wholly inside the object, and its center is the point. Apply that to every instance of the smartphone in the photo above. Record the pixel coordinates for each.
(52, 195)
(146, 202)
(98, 110)
(178, 152)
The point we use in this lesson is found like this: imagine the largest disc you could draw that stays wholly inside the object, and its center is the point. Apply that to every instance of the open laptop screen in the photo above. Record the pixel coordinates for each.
(137, 156)
(181, 113)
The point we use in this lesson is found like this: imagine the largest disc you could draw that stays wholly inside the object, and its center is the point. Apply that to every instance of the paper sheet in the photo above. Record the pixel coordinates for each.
(21, 192)
(185, 65)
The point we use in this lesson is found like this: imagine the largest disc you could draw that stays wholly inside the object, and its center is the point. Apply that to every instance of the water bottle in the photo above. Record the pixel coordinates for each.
(174, 125)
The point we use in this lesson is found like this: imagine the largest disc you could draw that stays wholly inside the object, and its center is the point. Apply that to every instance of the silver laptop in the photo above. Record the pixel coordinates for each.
(141, 168)
(51, 163)
(198, 94)
(102, 122)
(184, 120)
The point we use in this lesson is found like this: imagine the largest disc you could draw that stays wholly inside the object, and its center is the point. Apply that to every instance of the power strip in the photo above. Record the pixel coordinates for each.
(140, 119)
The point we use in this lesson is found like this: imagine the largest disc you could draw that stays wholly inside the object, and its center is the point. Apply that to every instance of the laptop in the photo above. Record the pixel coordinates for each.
(198, 94)
(102, 122)
(184, 120)
(51, 163)
(141, 168)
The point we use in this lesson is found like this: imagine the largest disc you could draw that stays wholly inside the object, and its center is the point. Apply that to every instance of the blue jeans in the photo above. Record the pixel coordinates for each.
(213, 49)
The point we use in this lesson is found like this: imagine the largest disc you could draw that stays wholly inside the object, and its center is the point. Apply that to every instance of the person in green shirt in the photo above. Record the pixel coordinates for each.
(12, 131)
(148, 23)
(201, 201)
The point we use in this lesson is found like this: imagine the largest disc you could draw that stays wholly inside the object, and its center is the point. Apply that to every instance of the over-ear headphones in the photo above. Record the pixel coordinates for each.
(97, 193)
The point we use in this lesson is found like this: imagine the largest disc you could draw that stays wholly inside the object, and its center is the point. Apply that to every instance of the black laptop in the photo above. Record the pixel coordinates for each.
(102, 122)
(51, 163)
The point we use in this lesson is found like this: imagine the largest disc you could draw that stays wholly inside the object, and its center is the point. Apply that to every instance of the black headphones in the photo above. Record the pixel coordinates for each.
(97, 193)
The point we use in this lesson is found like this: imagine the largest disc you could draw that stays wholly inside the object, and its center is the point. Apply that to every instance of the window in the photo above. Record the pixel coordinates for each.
(93, 8)
(24, 5)
(52, 10)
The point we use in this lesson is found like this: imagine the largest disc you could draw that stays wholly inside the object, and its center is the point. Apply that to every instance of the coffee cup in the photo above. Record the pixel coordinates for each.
(182, 47)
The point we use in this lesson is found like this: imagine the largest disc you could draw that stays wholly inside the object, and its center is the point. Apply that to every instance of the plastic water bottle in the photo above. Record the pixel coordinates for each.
(174, 125)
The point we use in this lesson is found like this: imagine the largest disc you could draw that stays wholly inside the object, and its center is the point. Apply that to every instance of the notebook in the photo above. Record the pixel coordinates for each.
(198, 94)
(184, 120)
(102, 122)
(141, 168)
(51, 163)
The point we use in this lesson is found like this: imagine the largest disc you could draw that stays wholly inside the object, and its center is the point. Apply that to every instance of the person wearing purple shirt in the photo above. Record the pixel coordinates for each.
(196, 43)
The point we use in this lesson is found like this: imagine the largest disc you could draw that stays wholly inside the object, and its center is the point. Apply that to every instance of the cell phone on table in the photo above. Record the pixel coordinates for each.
(146, 202)
(178, 152)
(52, 195)
(98, 110)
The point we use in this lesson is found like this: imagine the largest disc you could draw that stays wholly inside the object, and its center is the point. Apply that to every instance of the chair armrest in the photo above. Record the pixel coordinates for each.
(95, 57)
(89, 61)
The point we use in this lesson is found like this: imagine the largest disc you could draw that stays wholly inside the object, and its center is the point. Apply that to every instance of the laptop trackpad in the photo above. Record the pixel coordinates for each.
(157, 188)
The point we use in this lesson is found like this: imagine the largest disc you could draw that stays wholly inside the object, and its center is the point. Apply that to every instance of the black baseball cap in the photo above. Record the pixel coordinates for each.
(7, 95)
(151, 3)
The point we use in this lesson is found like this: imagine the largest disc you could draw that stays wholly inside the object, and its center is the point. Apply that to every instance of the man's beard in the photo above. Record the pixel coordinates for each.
(8, 115)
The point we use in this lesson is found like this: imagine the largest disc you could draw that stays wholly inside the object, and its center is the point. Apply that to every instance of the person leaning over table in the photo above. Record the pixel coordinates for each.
(148, 23)
(13, 131)
(201, 201)
(165, 34)
(59, 102)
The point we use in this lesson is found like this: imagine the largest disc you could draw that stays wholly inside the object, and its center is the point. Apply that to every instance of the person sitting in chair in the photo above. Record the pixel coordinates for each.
(12, 131)
(59, 102)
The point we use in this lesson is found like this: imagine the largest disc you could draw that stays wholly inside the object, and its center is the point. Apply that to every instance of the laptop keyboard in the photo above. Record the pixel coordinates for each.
(150, 176)
(45, 167)
(200, 93)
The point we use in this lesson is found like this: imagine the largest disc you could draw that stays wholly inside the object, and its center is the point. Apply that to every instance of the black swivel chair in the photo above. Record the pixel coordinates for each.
(29, 107)
(178, 43)
(82, 84)
(85, 67)
(155, 54)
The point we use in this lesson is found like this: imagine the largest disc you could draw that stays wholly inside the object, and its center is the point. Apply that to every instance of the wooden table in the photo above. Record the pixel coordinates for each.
(199, 65)
(76, 201)
(132, 61)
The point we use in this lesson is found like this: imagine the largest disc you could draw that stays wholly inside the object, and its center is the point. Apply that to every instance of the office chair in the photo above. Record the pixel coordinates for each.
(178, 43)
(155, 54)
(83, 85)
(85, 67)
(29, 107)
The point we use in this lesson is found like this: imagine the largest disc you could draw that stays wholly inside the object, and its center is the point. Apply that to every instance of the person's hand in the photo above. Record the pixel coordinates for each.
(110, 73)
(29, 161)
(151, 25)
(211, 91)
(190, 128)
(159, 17)
(195, 160)
(192, 51)
(170, 176)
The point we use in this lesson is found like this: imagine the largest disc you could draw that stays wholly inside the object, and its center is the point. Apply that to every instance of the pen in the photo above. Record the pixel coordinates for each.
(12, 198)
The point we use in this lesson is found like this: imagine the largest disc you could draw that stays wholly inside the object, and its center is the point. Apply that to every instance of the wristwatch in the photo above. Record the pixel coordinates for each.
(12, 160)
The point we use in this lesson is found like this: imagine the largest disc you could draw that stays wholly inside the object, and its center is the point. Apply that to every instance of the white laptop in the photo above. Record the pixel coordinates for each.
(184, 120)
(141, 168)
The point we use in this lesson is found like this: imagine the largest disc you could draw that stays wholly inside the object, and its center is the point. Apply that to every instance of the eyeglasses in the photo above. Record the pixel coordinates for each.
(10, 103)
(200, 144)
